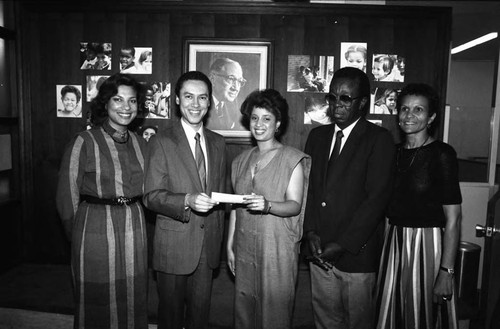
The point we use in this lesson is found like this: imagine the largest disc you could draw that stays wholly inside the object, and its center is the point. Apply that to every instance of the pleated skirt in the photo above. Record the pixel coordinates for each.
(109, 265)
(409, 266)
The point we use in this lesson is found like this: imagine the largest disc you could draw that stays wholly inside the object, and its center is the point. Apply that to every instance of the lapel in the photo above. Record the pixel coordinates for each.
(347, 153)
(183, 151)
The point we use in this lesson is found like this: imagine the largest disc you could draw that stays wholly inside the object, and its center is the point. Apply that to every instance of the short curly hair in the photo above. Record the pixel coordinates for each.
(420, 89)
(423, 90)
(108, 89)
(269, 99)
(71, 89)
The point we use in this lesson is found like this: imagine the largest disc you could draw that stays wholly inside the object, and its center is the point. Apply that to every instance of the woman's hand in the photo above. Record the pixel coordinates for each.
(256, 202)
(231, 263)
(443, 287)
(231, 259)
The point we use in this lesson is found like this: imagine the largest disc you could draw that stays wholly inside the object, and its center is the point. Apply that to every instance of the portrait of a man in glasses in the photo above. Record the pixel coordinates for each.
(227, 79)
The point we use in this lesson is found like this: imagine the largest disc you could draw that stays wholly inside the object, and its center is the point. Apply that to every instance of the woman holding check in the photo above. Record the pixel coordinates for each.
(264, 231)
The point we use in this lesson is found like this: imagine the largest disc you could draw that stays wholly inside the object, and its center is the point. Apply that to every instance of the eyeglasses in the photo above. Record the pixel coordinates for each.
(331, 99)
(232, 79)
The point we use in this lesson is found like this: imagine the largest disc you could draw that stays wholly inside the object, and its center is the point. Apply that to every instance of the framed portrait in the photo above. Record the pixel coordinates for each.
(309, 73)
(69, 101)
(383, 100)
(157, 101)
(136, 60)
(388, 67)
(95, 56)
(353, 54)
(235, 68)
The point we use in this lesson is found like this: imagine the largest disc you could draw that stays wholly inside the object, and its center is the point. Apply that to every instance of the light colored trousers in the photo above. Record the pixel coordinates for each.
(342, 300)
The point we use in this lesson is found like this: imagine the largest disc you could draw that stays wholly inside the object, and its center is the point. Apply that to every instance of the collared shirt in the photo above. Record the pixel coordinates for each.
(190, 134)
(216, 106)
(216, 102)
(346, 131)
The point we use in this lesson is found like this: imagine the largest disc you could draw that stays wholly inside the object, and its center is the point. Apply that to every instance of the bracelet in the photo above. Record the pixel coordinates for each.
(449, 270)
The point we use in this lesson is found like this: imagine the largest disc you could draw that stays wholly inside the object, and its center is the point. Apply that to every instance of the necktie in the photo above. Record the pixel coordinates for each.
(336, 147)
(336, 150)
(200, 162)
(219, 110)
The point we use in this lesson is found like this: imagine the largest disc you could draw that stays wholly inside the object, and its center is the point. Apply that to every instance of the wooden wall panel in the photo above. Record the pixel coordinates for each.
(51, 38)
(231, 26)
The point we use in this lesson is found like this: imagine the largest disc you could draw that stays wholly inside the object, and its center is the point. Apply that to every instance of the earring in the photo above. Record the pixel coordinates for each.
(428, 126)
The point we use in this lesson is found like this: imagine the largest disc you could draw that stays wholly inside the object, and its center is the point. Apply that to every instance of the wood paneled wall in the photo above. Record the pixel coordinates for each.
(51, 34)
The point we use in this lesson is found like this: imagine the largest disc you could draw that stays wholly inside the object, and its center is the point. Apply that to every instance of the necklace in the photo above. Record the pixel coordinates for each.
(263, 157)
(117, 136)
(412, 157)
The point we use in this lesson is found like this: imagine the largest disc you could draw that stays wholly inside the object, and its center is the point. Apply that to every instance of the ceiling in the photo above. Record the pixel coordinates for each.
(470, 20)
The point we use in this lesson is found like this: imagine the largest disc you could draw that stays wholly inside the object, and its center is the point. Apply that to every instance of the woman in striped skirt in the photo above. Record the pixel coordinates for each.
(98, 199)
(415, 285)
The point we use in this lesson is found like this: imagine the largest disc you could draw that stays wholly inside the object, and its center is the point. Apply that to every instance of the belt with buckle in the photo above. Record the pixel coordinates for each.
(120, 201)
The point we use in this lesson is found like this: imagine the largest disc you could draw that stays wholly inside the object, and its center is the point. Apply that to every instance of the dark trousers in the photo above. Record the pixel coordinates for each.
(184, 300)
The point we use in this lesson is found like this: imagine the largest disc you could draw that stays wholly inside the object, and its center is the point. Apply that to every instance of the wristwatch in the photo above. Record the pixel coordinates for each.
(449, 270)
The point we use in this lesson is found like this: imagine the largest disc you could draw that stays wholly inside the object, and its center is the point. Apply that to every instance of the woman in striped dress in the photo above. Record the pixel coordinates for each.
(98, 199)
(415, 284)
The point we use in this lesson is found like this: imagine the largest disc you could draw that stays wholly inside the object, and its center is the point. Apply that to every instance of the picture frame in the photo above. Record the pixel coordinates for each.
(252, 70)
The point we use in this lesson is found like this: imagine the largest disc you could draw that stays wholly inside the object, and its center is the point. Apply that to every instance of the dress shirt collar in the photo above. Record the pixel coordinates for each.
(346, 131)
(117, 136)
(191, 133)
(217, 102)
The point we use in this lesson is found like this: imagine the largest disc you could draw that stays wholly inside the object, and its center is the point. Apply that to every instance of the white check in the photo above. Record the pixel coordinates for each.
(227, 198)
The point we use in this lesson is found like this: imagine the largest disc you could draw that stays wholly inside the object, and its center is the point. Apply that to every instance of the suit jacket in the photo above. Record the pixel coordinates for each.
(229, 117)
(348, 208)
(170, 174)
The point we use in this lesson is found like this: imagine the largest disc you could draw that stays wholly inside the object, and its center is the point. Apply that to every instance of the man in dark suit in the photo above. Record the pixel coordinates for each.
(184, 165)
(349, 188)
(227, 78)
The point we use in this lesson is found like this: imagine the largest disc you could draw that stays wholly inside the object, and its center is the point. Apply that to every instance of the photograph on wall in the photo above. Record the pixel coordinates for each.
(309, 73)
(157, 100)
(95, 56)
(136, 60)
(93, 84)
(399, 70)
(383, 101)
(353, 54)
(235, 68)
(316, 110)
(146, 131)
(69, 101)
(386, 68)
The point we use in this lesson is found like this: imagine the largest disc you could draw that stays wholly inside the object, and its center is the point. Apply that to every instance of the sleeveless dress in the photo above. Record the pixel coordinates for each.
(108, 249)
(267, 246)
